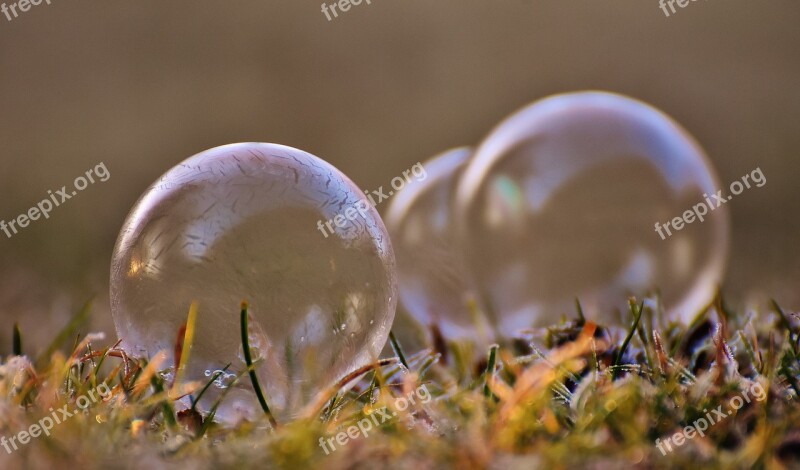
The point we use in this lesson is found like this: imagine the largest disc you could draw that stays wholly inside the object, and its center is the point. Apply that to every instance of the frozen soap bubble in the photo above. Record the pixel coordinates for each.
(432, 272)
(241, 222)
(560, 201)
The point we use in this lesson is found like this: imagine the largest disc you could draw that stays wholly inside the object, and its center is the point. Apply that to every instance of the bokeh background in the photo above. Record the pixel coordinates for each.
(143, 85)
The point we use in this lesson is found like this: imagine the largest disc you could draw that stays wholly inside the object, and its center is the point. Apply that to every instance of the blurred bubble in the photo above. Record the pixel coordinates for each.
(431, 271)
(560, 201)
(241, 222)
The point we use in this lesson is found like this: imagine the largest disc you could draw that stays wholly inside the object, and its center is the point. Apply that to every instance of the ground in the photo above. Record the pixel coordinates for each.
(719, 393)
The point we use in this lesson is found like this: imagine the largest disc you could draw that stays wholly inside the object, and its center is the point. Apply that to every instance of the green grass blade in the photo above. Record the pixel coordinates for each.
(249, 361)
(67, 332)
(207, 385)
(637, 313)
(490, 367)
(398, 350)
(166, 407)
(579, 308)
(17, 341)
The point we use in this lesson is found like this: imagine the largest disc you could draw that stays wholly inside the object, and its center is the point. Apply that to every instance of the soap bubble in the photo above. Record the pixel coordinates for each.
(431, 271)
(560, 202)
(242, 222)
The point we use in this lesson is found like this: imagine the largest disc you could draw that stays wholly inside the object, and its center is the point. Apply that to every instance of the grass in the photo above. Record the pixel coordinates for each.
(574, 395)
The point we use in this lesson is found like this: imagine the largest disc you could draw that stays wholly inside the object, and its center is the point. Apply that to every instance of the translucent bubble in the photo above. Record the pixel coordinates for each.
(433, 286)
(560, 201)
(252, 221)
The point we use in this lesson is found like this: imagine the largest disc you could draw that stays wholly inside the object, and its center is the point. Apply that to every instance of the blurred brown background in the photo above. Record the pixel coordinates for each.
(142, 85)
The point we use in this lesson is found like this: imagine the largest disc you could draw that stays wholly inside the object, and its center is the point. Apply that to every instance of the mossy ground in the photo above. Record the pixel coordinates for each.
(576, 395)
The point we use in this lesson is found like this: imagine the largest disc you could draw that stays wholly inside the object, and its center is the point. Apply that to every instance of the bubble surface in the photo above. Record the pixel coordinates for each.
(560, 202)
(241, 222)
(431, 271)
